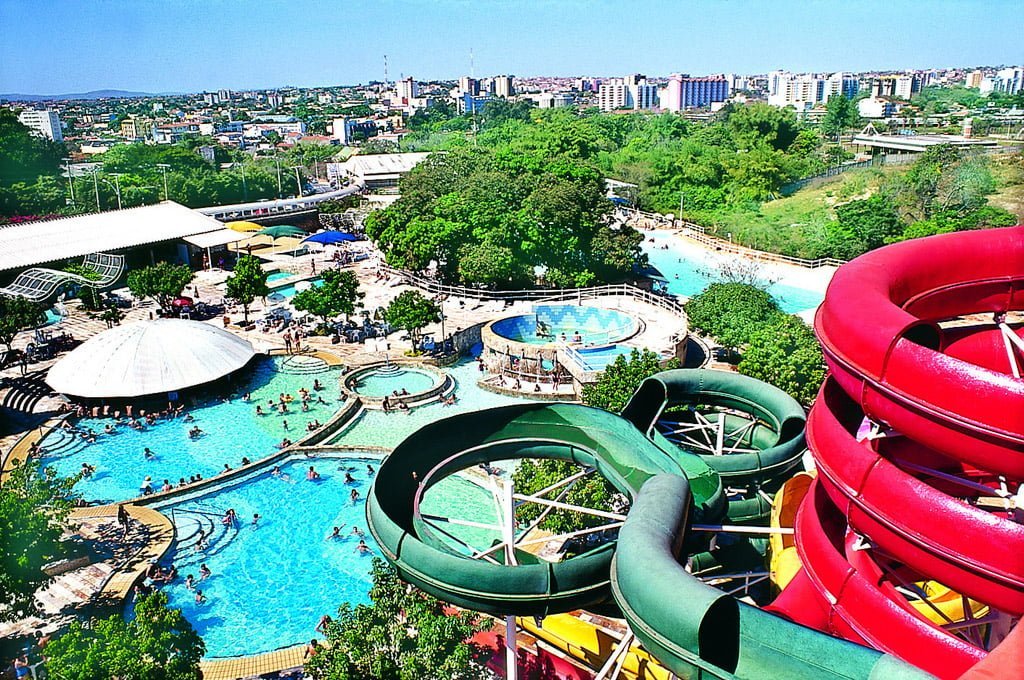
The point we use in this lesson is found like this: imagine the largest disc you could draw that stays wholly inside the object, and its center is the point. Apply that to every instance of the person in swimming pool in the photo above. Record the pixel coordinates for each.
(312, 474)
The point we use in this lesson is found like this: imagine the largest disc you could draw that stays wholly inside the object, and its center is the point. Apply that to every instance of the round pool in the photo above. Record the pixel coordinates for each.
(374, 382)
(575, 324)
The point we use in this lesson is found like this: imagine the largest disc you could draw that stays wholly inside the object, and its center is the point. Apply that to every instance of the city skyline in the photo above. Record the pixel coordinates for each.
(193, 46)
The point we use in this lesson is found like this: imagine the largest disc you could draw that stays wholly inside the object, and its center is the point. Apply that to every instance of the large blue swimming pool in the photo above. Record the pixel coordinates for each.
(272, 581)
(231, 430)
(688, 276)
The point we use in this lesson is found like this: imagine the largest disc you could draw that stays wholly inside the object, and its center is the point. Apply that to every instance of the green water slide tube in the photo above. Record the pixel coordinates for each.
(697, 631)
(618, 451)
(770, 440)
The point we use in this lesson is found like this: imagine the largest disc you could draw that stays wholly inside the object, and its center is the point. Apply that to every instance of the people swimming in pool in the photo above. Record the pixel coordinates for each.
(195, 433)
(204, 572)
(147, 454)
(362, 548)
(349, 479)
(354, 495)
(190, 582)
(311, 474)
(336, 533)
(200, 598)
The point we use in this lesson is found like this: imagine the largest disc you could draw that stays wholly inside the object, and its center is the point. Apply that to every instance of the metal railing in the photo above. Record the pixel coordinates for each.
(700, 234)
(433, 287)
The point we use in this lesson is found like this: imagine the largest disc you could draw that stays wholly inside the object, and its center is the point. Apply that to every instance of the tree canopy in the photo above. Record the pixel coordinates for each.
(16, 314)
(786, 354)
(403, 634)
(247, 282)
(158, 643)
(621, 378)
(338, 294)
(731, 312)
(162, 282)
(34, 507)
(25, 155)
(412, 312)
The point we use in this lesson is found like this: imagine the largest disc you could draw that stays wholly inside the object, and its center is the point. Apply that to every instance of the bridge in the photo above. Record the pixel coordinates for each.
(275, 208)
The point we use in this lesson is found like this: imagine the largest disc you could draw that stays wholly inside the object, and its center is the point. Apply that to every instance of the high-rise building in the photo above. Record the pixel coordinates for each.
(45, 122)
(1009, 80)
(224, 95)
(841, 83)
(503, 86)
(470, 86)
(974, 79)
(631, 92)
(407, 89)
(683, 93)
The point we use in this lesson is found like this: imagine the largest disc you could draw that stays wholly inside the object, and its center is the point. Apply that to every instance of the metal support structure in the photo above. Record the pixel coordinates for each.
(509, 534)
(613, 664)
(1009, 340)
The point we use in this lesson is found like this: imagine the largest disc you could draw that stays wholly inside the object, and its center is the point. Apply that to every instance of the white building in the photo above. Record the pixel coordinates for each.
(45, 122)
(632, 92)
(469, 85)
(376, 171)
(904, 87)
(875, 108)
(1009, 80)
(503, 86)
(407, 89)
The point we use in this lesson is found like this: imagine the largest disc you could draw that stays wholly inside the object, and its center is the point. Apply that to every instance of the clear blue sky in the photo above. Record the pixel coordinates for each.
(61, 46)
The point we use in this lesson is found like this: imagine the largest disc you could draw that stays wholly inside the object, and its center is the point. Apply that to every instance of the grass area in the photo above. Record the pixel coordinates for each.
(795, 225)
(1009, 174)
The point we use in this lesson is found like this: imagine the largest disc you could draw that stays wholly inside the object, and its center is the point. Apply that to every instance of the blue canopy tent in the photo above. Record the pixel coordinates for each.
(330, 237)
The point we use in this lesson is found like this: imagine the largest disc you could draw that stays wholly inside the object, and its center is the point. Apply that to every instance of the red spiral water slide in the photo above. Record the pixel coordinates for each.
(953, 396)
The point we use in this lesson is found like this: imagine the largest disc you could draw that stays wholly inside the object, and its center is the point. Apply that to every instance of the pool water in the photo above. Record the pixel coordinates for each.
(278, 275)
(289, 290)
(53, 316)
(598, 358)
(272, 582)
(381, 383)
(231, 430)
(688, 276)
(376, 428)
(552, 323)
(458, 497)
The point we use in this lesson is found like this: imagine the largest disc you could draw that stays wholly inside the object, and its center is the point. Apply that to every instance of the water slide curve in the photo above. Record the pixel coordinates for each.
(691, 628)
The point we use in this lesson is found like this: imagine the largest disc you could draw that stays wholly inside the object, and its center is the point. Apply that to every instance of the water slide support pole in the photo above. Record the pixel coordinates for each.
(509, 530)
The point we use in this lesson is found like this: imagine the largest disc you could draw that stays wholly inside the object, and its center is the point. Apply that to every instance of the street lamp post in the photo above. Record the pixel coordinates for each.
(163, 168)
(245, 186)
(117, 186)
(298, 180)
(277, 161)
(71, 184)
(96, 186)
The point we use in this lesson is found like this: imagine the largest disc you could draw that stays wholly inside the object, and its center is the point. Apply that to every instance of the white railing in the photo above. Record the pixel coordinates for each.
(699, 233)
(433, 287)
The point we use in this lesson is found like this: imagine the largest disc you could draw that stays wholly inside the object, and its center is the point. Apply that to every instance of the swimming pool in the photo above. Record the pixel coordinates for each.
(272, 582)
(598, 358)
(231, 430)
(688, 276)
(289, 290)
(554, 323)
(376, 428)
(381, 383)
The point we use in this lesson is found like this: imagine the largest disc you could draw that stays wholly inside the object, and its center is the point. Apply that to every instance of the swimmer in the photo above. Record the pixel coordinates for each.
(87, 470)
(369, 470)
(313, 475)
(362, 548)
(276, 472)
(317, 385)
(189, 418)
(190, 582)
(336, 533)
(200, 598)
(147, 454)
(204, 572)
(354, 495)
(195, 433)
(356, 531)
(285, 424)
(349, 479)
(259, 410)
(109, 429)
(255, 518)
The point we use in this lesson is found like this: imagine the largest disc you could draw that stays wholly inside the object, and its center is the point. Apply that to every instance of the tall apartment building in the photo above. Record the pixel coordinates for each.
(407, 89)
(974, 79)
(631, 92)
(45, 122)
(503, 86)
(1009, 80)
(683, 93)
(806, 90)
(470, 86)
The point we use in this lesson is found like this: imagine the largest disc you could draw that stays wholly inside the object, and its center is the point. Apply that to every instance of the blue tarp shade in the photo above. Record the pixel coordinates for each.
(329, 237)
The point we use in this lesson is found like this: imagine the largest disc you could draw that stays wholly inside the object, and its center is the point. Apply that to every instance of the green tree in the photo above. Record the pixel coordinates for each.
(840, 114)
(622, 377)
(731, 312)
(158, 643)
(870, 222)
(89, 296)
(403, 634)
(34, 507)
(162, 282)
(412, 312)
(755, 124)
(786, 354)
(593, 491)
(24, 155)
(339, 294)
(17, 314)
(247, 282)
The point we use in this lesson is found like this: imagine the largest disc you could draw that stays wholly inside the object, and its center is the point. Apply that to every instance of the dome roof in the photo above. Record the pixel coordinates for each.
(150, 357)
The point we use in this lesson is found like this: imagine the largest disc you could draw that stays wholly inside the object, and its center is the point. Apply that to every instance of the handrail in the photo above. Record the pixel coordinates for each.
(699, 233)
(666, 302)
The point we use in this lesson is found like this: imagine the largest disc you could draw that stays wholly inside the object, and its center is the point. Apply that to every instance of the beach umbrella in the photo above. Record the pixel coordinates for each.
(243, 226)
(281, 231)
(330, 237)
(182, 301)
